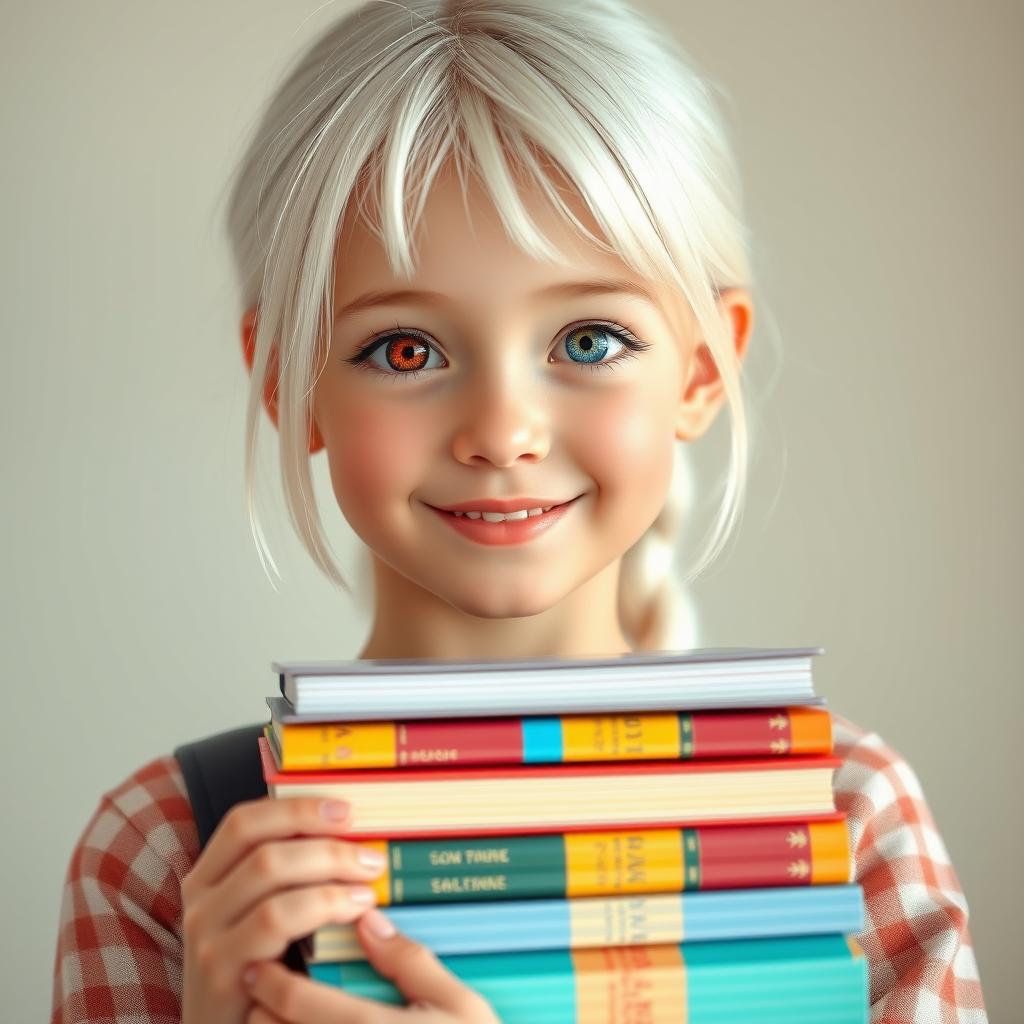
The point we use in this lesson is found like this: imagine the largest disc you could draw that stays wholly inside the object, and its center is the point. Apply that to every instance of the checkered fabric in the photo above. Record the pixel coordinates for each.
(119, 947)
(921, 964)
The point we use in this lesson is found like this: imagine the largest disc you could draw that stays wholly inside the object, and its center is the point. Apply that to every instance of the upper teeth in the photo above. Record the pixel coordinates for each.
(497, 517)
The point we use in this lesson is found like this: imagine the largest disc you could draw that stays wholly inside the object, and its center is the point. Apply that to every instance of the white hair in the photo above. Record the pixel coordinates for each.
(382, 100)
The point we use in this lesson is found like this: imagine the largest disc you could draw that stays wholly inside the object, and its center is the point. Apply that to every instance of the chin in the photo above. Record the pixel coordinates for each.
(495, 603)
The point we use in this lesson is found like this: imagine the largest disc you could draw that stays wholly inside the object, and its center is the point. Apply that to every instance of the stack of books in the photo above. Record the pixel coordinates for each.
(644, 837)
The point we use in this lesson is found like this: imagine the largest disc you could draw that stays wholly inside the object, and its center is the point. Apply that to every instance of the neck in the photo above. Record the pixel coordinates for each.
(410, 622)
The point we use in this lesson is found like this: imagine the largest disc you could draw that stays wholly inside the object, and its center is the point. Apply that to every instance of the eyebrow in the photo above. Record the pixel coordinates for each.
(563, 290)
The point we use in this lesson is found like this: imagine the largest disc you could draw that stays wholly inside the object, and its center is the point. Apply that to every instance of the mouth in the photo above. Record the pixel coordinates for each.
(495, 509)
(519, 524)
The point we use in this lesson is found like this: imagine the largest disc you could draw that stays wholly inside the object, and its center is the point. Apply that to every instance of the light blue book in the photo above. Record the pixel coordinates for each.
(819, 979)
(367, 688)
(634, 920)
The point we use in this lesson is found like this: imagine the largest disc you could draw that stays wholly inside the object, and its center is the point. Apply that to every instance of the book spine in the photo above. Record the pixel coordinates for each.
(804, 980)
(597, 921)
(611, 863)
(548, 740)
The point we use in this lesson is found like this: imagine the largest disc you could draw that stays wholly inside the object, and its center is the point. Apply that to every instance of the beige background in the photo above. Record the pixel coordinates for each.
(879, 143)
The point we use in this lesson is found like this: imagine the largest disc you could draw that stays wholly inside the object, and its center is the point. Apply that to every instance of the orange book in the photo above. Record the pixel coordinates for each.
(649, 736)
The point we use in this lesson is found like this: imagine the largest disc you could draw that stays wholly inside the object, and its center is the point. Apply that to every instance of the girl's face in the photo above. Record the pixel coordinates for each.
(490, 377)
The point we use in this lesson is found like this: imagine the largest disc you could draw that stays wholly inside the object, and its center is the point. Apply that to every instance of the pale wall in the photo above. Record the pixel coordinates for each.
(879, 143)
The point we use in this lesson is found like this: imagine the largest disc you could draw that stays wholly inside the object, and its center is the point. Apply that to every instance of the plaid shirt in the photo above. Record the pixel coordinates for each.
(119, 948)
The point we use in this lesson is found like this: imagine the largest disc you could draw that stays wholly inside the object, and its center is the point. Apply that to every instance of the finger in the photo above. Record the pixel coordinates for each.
(256, 821)
(265, 931)
(261, 1015)
(298, 1000)
(414, 969)
(288, 863)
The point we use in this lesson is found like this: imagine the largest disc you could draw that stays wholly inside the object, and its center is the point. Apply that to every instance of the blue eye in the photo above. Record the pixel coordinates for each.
(588, 345)
(592, 342)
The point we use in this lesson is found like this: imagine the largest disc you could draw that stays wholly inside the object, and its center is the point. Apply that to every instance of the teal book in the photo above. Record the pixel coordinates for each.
(819, 979)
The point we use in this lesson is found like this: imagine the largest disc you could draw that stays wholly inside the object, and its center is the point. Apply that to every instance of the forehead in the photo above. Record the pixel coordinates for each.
(461, 245)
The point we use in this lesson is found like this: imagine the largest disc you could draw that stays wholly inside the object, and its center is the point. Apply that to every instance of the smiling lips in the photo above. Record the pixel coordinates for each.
(511, 521)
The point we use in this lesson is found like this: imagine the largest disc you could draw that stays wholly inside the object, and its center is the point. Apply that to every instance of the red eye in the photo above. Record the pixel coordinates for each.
(406, 353)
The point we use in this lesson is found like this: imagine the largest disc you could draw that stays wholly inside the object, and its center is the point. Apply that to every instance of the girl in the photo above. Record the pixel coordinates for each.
(492, 260)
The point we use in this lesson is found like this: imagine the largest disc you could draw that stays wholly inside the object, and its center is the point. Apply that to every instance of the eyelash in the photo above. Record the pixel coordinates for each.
(360, 360)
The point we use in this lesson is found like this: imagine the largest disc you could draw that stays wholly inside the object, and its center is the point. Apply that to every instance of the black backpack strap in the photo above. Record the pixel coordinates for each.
(221, 771)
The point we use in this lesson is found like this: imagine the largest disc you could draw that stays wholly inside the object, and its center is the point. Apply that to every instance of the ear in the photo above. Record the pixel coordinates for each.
(249, 321)
(703, 392)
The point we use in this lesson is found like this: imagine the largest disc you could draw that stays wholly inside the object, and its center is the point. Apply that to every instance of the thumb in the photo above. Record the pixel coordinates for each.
(416, 972)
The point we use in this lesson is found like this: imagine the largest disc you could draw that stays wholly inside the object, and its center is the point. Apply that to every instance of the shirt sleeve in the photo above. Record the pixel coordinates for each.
(921, 964)
(119, 948)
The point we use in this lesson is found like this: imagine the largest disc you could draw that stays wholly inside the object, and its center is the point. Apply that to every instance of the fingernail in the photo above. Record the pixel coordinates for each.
(379, 926)
(360, 894)
(250, 975)
(334, 810)
(371, 858)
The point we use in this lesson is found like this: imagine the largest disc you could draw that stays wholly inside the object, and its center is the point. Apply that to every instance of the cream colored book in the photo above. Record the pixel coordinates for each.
(403, 803)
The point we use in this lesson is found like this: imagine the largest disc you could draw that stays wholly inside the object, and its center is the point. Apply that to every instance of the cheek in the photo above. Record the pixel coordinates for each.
(630, 443)
(375, 457)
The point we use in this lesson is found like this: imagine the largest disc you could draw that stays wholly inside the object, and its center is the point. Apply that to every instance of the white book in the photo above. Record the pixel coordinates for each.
(711, 678)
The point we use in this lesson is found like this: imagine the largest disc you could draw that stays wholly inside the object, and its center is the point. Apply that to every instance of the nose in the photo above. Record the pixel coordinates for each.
(502, 421)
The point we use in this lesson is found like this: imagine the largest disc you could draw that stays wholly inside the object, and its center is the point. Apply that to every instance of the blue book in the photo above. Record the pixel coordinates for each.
(819, 979)
(633, 920)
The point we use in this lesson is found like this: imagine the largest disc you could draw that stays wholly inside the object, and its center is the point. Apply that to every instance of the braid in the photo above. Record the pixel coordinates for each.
(656, 612)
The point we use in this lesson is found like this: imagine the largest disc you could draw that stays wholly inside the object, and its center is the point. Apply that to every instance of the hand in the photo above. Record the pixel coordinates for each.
(435, 994)
(260, 883)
